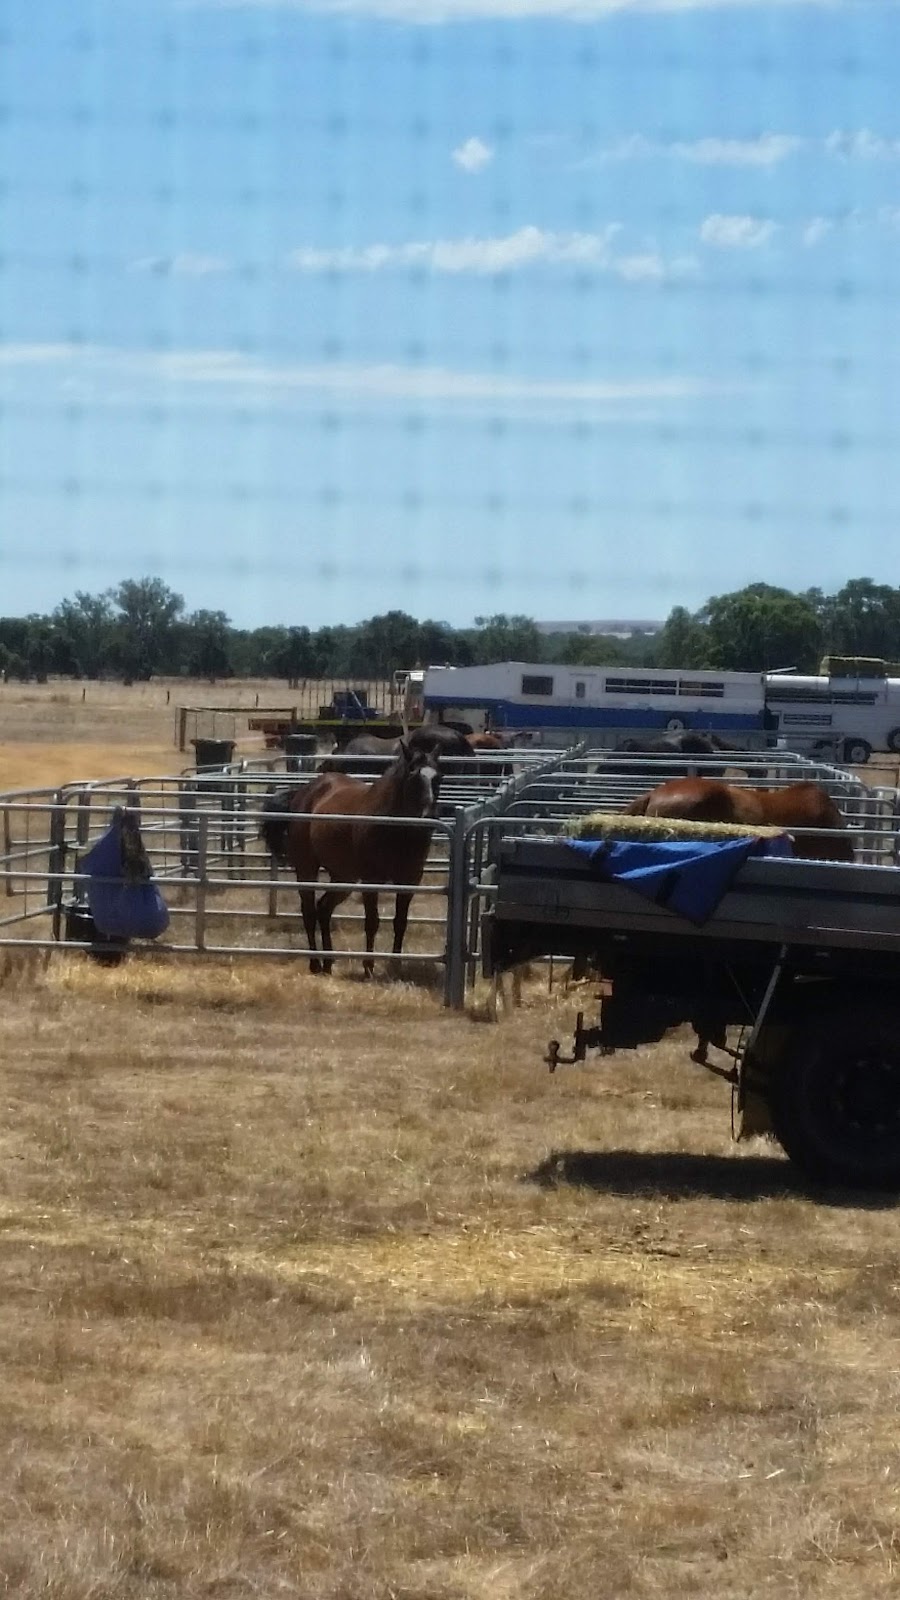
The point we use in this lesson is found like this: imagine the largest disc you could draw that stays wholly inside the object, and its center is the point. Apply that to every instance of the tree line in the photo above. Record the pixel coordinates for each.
(141, 628)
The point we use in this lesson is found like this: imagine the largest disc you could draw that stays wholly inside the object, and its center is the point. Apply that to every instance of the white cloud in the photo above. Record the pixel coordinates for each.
(186, 265)
(815, 230)
(473, 155)
(863, 145)
(735, 232)
(38, 355)
(229, 370)
(768, 150)
(527, 247)
(486, 257)
(650, 267)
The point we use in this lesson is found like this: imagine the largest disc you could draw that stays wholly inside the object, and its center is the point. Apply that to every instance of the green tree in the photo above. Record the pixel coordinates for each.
(332, 652)
(208, 637)
(38, 647)
(761, 627)
(147, 614)
(682, 642)
(589, 650)
(440, 645)
(85, 632)
(292, 657)
(384, 643)
(863, 619)
(505, 638)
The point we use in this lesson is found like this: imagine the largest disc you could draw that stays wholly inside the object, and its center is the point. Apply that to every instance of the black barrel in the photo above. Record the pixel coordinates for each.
(300, 751)
(212, 753)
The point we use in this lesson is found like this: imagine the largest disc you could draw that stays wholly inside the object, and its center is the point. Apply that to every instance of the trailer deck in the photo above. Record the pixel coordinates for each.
(792, 987)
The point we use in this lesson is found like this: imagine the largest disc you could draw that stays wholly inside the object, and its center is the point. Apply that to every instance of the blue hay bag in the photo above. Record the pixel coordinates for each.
(688, 877)
(124, 900)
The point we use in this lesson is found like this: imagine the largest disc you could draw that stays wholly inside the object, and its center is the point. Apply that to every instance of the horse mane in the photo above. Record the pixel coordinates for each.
(273, 829)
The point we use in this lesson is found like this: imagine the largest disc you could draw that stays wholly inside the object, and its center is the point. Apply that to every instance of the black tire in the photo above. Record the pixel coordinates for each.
(675, 725)
(893, 741)
(835, 1097)
(856, 752)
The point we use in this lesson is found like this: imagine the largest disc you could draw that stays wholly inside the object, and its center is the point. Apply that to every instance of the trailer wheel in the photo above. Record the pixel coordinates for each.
(893, 740)
(835, 1098)
(856, 752)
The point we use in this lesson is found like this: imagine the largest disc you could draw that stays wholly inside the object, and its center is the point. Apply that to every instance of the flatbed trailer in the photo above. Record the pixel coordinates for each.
(339, 729)
(803, 957)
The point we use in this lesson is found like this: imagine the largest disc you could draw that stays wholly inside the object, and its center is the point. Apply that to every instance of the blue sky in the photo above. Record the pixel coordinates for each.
(573, 307)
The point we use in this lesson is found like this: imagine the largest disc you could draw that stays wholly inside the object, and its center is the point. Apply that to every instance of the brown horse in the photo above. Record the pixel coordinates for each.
(798, 805)
(359, 850)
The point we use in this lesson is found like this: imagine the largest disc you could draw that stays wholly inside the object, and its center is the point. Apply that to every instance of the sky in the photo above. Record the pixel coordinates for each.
(320, 308)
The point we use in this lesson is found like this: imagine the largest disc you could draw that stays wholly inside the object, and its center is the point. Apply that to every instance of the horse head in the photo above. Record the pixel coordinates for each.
(420, 779)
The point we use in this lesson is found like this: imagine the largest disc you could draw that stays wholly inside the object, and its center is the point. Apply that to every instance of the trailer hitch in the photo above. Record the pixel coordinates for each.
(583, 1040)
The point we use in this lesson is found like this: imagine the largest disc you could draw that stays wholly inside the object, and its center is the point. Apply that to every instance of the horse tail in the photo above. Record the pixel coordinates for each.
(274, 828)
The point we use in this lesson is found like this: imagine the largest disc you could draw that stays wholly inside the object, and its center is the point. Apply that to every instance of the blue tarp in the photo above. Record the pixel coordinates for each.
(122, 907)
(686, 876)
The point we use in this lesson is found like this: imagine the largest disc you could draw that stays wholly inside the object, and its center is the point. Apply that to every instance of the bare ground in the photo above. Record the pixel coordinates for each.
(312, 1289)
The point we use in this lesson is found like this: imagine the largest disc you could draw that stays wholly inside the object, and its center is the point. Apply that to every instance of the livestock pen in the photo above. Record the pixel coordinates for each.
(227, 896)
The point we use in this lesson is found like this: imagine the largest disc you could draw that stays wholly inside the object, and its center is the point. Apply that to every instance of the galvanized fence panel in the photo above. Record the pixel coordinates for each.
(227, 896)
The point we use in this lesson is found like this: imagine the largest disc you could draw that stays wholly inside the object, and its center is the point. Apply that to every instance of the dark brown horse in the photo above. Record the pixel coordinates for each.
(798, 805)
(359, 850)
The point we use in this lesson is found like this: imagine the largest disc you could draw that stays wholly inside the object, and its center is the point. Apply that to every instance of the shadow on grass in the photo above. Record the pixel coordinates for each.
(684, 1175)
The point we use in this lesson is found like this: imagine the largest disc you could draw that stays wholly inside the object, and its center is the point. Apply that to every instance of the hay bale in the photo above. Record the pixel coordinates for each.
(657, 830)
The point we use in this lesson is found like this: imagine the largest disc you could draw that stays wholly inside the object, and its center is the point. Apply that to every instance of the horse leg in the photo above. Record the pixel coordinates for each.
(370, 905)
(330, 899)
(401, 916)
(308, 909)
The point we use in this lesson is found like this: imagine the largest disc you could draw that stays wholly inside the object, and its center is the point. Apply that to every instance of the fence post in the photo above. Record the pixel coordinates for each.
(57, 860)
(83, 819)
(7, 853)
(187, 819)
(202, 874)
(457, 894)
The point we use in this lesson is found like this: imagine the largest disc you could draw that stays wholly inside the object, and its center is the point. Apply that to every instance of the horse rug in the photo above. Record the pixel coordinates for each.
(688, 877)
(124, 899)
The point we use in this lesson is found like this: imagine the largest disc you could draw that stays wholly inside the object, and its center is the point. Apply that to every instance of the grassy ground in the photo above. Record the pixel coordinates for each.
(312, 1289)
(62, 731)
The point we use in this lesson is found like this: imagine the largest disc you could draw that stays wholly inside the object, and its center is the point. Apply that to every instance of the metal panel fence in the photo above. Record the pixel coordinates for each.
(227, 896)
(225, 893)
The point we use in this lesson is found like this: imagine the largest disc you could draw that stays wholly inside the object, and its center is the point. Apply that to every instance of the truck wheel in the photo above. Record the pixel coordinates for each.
(893, 740)
(856, 752)
(835, 1098)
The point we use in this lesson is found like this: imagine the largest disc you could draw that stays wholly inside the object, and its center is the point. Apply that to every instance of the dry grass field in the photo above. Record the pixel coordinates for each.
(312, 1289)
(62, 731)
